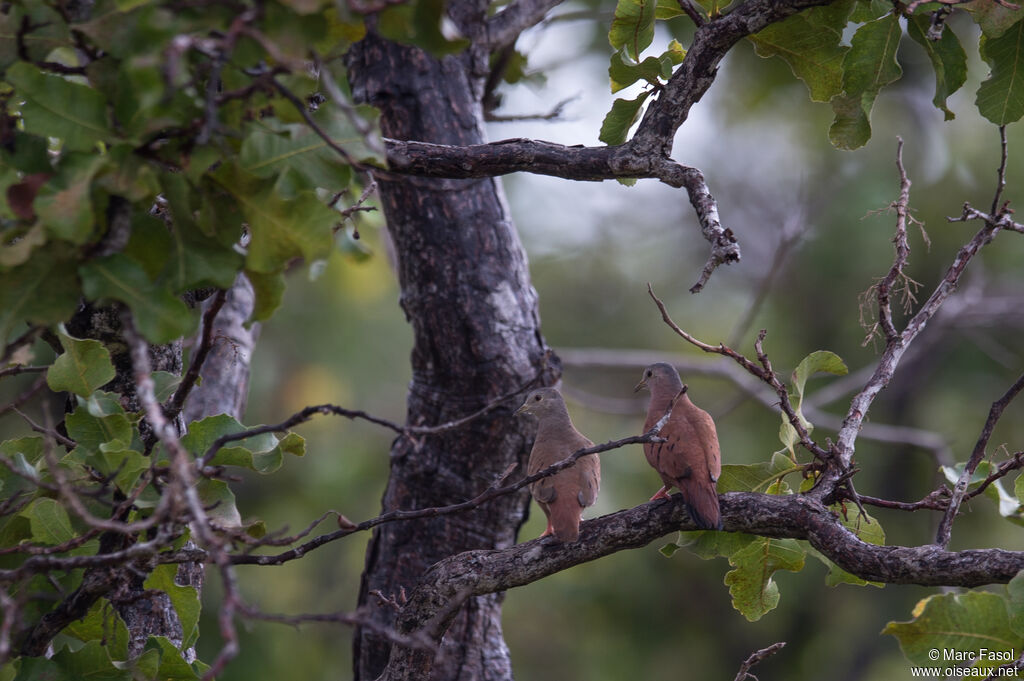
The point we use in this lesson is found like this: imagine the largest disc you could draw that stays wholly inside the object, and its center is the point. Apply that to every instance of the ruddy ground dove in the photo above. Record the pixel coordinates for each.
(564, 495)
(690, 458)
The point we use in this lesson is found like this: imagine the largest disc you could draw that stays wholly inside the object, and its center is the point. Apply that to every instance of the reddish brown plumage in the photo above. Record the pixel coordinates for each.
(690, 458)
(564, 495)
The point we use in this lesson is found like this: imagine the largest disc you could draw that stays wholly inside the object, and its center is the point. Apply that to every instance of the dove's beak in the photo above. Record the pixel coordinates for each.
(640, 386)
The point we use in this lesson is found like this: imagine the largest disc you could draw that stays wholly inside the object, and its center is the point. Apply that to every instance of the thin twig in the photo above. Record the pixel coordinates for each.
(720, 349)
(758, 656)
(693, 11)
(303, 111)
(177, 401)
(24, 397)
(21, 369)
(48, 432)
(885, 287)
(945, 530)
(1001, 172)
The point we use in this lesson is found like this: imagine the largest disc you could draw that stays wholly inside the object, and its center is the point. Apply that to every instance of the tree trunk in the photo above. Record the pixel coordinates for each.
(465, 289)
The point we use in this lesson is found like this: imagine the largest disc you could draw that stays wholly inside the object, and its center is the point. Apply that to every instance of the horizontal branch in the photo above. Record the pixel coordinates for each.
(476, 573)
(590, 164)
(505, 26)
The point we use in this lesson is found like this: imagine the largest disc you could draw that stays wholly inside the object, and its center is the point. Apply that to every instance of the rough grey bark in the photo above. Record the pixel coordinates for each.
(225, 373)
(465, 290)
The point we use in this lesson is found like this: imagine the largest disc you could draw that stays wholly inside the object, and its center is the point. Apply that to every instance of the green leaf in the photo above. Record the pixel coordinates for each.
(261, 453)
(23, 453)
(92, 432)
(963, 622)
(266, 153)
(1015, 603)
(83, 367)
(64, 203)
(128, 175)
(810, 43)
(419, 23)
(618, 121)
(818, 361)
(173, 666)
(868, 10)
(754, 592)
(165, 383)
(667, 9)
(948, 60)
(708, 544)
(869, 65)
(281, 229)
(851, 128)
(993, 18)
(269, 292)
(27, 153)
(1001, 97)
(197, 260)
(758, 477)
(102, 623)
(160, 316)
(624, 73)
(185, 599)
(44, 290)
(49, 521)
(633, 26)
(50, 32)
(219, 501)
(91, 662)
(55, 107)
(871, 62)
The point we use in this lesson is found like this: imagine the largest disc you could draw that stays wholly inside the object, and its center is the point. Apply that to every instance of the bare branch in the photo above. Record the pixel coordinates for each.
(188, 381)
(21, 369)
(504, 27)
(25, 396)
(693, 11)
(697, 73)
(48, 432)
(1004, 155)
(553, 114)
(575, 163)
(24, 339)
(476, 573)
(720, 349)
(945, 529)
(758, 656)
(885, 287)
(897, 346)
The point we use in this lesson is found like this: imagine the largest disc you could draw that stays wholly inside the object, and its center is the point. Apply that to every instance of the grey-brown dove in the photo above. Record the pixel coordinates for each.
(564, 495)
(690, 458)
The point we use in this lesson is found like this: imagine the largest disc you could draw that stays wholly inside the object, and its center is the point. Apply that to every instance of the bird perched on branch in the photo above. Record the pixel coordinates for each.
(690, 458)
(564, 495)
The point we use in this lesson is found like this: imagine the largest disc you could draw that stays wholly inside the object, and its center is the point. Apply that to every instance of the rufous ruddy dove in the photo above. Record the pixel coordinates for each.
(690, 458)
(564, 495)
